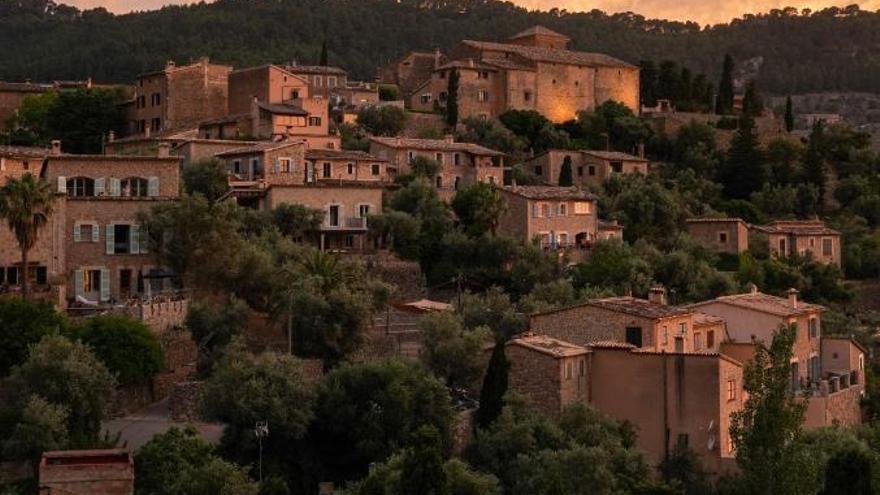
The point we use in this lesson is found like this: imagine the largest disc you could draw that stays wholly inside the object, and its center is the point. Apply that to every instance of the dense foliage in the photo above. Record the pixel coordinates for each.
(802, 51)
(128, 348)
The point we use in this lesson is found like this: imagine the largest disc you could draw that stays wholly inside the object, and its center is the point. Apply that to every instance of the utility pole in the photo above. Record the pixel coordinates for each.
(290, 323)
(261, 430)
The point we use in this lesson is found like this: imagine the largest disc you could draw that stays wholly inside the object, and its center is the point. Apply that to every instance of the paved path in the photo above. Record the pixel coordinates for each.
(138, 428)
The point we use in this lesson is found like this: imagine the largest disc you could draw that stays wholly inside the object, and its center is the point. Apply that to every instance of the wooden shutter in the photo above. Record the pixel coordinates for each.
(153, 186)
(115, 186)
(100, 186)
(110, 238)
(134, 239)
(62, 184)
(77, 237)
(96, 233)
(275, 166)
(144, 240)
(105, 284)
(78, 283)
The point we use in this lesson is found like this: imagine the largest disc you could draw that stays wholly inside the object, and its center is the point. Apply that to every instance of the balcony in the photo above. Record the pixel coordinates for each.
(344, 224)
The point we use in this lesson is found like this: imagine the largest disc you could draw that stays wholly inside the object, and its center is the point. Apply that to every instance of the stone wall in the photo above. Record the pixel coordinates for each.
(838, 408)
(164, 315)
(185, 401)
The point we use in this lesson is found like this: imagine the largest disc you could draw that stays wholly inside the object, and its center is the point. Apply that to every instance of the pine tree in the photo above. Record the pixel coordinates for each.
(753, 105)
(789, 115)
(565, 176)
(814, 161)
(744, 171)
(422, 469)
(324, 61)
(724, 104)
(452, 99)
(648, 83)
(494, 388)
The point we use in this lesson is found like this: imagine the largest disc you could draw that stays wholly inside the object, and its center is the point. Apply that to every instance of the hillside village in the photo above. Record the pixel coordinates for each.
(508, 267)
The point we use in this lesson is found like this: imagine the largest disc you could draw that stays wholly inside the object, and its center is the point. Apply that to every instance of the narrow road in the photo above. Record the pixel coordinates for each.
(138, 428)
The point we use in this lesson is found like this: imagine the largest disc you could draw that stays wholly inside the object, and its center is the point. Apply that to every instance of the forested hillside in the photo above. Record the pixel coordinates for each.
(834, 49)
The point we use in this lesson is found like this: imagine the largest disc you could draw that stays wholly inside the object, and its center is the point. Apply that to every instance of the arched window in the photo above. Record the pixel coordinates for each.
(78, 187)
(134, 187)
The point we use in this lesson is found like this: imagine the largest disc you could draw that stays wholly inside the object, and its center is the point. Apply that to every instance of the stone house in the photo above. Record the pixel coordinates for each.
(533, 70)
(588, 167)
(108, 472)
(410, 71)
(179, 97)
(691, 395)
(104, 251)
(722, 235)
(185, 145)
(323, 80)
(347, 165)
(643, 323)
(789, 237)
(267, 83)
(560, 218)
(461, 164)
(12, 95)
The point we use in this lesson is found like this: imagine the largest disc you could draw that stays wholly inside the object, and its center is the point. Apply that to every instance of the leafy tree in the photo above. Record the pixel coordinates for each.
(770, 421)
(366, 412)
(295, 220)
(128, 348)
(24, 323)
(42, 426)
(682, 470)
(460, 479)
(215, 477)
(422, 166)
(450, 351)
(565, 173)
(492, 309)
(388, 93)
(492, 134)
(535, 129)
(724, 104)
(397, 230)
(213, 326)
(26, 204)
(494, 388)
(30, 125)
(479, 207)
(849, 473)
(82, 118)
(422, 468)
(648, 83)
(382, 121)
(162, 461)
(788, 116)
(207, 177)
(68, 375)
(452, 98)
(744, 169)
(814, 159)
(649, 209)
(612, 264)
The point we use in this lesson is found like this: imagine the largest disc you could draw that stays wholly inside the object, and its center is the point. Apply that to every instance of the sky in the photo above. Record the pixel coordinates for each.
(702, 11)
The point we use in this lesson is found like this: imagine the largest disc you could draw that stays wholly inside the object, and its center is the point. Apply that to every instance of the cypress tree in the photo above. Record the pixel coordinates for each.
(752, 103)
(323, 62)
(565, 176)
(814, 161)
(724, 104)
(648, 83)
(789, 115)
(494, 388)
(452, 99)
(744, 172)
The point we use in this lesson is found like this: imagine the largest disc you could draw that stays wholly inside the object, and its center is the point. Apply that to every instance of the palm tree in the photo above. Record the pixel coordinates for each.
(26, 204)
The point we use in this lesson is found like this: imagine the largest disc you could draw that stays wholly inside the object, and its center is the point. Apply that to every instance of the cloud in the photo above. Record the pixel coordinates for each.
(702, 11)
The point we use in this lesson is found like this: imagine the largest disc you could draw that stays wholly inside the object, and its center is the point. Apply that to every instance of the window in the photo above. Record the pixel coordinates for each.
(591, 170)
(156, 99)
(536, 210)
(91, 281)
(439, 158)
(86, 232)
(782, 250)
(456, 159)
(315, 121)
(561, 210)
(722, 237)
(442, 74)
(583, 368)
(135, 187)
(411, 155)
(363, 211)
(482, 96)
(665, 334)
(331, 81)
(350, 168)
(284, 165)
(318, 81)
(12, 275)
(439, 181)
(731, 389)
(539, 170)
(156, 124)
(582, 208)
(634, 336)
(698, 341)
(79, 187)
(827, 247)
(580, 170)
(484, 75)
(328, 170)
(122, 239)
(349, 241)
(617, 167)
(375, 169)
(568, 371)
(562, 239)
(425, 98)
(527, 96)
(682, 328)
(333, 215)
(545, 210)
(710, 339)
(236, 167)
(456, 183)
(294, 94)
(443, 95)
(813, 327)
(815, 370)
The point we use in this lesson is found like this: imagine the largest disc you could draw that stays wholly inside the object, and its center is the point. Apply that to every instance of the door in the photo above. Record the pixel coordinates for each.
(310, 172)
(125, 283)
(634, 336)
(334, 216)
(679, 344)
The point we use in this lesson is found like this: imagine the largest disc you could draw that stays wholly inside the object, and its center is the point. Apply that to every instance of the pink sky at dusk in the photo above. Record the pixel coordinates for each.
(702, 11)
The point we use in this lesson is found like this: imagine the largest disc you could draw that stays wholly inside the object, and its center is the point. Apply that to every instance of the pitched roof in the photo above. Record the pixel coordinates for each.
(797, 227)
(704, 319)
(538, 30)
(328, 154)
(24, 151)
(505, 63)
(434, 144)
(714, 220)
(467, 64)
(613, 155)
(764, 303)
(282, 109)
(639, 307)
(549, 345)
(551, 192)
(259, 147)
(24, 87)
(553, 55)
(314, 69)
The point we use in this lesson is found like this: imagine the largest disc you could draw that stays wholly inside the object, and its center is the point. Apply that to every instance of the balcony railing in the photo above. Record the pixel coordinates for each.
(348, 223)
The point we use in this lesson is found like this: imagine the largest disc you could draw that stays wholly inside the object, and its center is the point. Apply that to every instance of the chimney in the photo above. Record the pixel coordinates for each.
(752, 288)
(641, 150)
(56, 147)
(792, 297)
(437, 57)
(657, 295)
(111, 136)
(449, 138)
(170, 64)
(164, 149)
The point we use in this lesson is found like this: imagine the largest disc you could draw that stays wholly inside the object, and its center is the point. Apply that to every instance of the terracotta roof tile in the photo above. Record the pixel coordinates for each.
(434, 144)
(328, 154)
(551, 192)
(314, 69)
(639, 307)
(259, 147)
(613, 155)
(549, 345)
(764, 303)
(797, 227)
(553, 55)
(538, 30)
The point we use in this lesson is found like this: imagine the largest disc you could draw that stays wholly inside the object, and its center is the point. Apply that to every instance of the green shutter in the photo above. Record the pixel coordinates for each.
(105, 284)
(110, 237)
(96, 232)
(134, 239)
(77, 283)
(153, 186)
(77, 236)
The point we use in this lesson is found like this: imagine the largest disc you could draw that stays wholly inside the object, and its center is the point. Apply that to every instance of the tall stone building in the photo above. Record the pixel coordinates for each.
(533, 70)
(175, 97)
